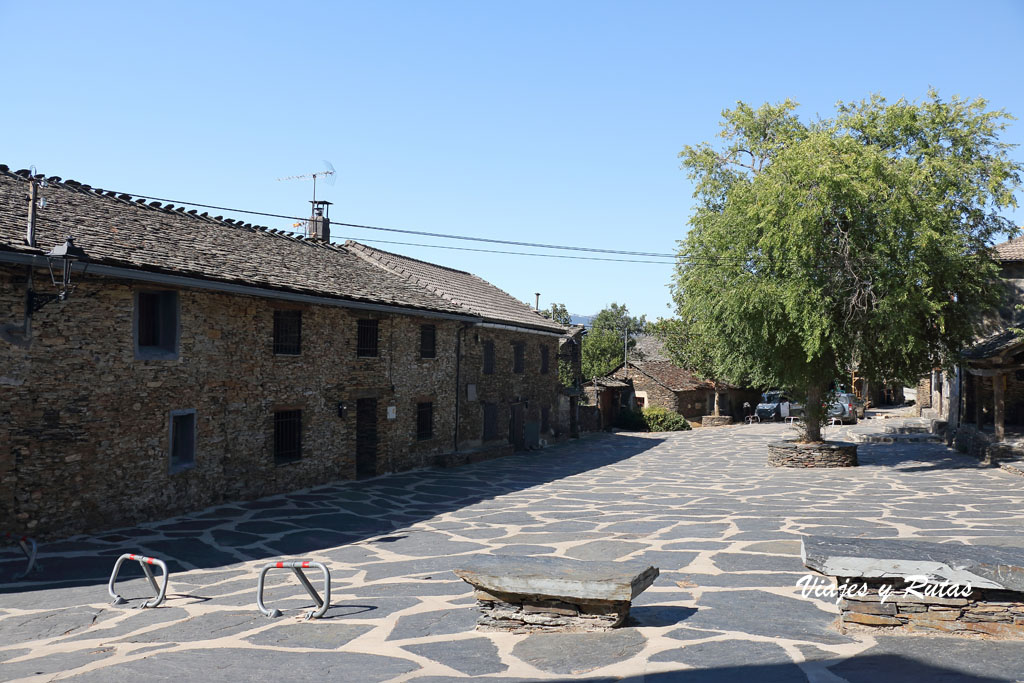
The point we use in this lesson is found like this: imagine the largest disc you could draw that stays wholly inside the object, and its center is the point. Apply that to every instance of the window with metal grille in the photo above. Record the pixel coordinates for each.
(543, 360)
(183, 439)
(366, 341)
(488, 358)
(545, 418)
(428, 341)
(490, 421)
(287, 436)
(288, 332)
(156, 324)
(424, 421)
(519, 357)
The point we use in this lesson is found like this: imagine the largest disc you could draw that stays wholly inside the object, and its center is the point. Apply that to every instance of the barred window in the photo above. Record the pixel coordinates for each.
(490, 421)
(543, 360)
(288, 332)
(287, 436)
(156, 325)
(488, 358)
(519, 357)
(366, 342)
(428, 341)
(424, 421)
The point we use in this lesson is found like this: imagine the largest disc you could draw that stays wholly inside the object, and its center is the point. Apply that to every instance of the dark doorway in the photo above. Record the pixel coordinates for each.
(516, 427)
(366, 438)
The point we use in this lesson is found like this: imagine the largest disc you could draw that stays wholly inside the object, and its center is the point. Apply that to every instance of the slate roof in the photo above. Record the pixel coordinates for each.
(993, 345)
(1011, 250)
(471, 293)
(670, 376)
(648, 347)
(118, 230)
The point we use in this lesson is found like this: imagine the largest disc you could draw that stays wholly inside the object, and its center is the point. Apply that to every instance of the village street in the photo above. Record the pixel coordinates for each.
(702, 506)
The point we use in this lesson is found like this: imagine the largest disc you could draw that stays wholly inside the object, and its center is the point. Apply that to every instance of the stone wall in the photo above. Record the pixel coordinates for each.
(657, 395)
(995, 613)
(792, 454)
(84, 425)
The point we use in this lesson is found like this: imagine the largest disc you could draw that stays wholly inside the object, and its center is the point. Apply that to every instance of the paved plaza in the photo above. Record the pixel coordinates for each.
(702, 506)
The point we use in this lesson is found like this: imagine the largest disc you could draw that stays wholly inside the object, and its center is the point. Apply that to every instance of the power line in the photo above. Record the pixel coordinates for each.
(409, 232)
(514, 253)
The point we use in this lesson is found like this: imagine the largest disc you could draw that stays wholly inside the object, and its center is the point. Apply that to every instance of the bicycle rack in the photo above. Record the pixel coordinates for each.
(297, 566)
(144, 562)
(29, 547)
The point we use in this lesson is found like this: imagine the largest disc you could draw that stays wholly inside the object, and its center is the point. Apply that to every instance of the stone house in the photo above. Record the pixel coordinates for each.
(662, 383)
(197, 359)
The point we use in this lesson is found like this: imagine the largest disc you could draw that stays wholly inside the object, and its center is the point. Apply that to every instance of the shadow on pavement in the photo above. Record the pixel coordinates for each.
(315, 519)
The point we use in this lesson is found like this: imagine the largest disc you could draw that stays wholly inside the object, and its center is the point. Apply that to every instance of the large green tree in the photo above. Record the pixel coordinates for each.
(603, 344)
(862, 239)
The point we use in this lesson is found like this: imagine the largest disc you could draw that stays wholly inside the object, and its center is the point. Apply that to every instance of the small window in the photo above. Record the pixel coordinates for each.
(519, 357)
(545, 418)
(424, 421)
(428, 341)
(488, 358)
(490, 421)
(287, 436)
(366, 344)
(183, 439)
(543, 360)
(288, 332)
(156, 324)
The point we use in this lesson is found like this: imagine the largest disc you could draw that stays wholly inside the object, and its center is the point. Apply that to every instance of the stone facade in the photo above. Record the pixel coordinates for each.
(85, 424)
(792, 454)
(985, 612)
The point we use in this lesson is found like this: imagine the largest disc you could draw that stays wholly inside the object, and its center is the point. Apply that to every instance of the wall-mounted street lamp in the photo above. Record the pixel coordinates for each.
(59, 260)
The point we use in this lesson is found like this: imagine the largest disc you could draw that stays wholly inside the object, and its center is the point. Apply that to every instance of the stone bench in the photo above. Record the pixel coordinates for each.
(916, 586)
(531, 594)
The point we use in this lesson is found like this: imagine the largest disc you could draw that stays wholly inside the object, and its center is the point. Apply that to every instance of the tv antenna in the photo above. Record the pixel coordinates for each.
(328, 175)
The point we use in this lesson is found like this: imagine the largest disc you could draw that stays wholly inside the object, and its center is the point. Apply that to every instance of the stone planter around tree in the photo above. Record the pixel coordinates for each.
(715, 420)
(828, 454)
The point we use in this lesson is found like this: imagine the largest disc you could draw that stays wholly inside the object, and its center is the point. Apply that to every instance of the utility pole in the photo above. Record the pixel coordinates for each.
(33, 198)
(625, 349)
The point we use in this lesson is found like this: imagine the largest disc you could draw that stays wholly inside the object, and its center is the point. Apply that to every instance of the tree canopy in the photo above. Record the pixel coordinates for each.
(558, 313)
(861, 239)
(602, 348)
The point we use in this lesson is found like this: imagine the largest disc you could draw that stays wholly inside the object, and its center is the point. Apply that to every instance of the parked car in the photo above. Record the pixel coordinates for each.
(775, 405)
(844, 408)
(860, 405)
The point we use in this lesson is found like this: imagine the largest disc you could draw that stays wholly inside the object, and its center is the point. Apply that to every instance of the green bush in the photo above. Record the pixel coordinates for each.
(660, 419)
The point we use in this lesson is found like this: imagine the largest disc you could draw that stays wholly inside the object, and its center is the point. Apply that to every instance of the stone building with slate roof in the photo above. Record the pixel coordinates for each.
(199, 359)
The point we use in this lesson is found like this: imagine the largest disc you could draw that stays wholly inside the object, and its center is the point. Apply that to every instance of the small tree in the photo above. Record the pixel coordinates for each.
(688, 351)
(603, 344)
(863, 237)
(558, 313)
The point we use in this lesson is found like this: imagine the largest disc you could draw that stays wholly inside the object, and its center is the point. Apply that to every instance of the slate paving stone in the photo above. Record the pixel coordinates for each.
(696, 531)
(603, 550)
(23, 628)
(11, 654)
(762, 662)
(765, 614)
(414, 588)
(435, 566)
(321, 635)
(659, 615)
(523, 549)
(138, 619)
(235, 539)
(203, 627)
(52, 664)
(740, 562)
(775, 547)
(578, 653)
(665, 560)
(472, 656)
(923, 660)
(493, 532)
(687, 633)
(367, 608)
(177, 552)
(229, 665)
(264, 527)
(425, 544)
(439, 622)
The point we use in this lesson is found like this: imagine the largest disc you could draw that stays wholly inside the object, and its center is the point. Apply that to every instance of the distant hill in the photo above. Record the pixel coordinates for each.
(584, 320)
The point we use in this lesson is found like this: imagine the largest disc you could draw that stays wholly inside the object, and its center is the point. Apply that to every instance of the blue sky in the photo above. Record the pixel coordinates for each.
(551, 122)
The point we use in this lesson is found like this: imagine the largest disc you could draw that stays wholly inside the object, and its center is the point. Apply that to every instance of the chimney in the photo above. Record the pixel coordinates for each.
(536, 306)
(319, 225)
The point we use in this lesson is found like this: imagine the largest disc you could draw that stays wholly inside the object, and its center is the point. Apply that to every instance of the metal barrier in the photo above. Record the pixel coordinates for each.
(145, 563)
(29, 547)
(297, 566)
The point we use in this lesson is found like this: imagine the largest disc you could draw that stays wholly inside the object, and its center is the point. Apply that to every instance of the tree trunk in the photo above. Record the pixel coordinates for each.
(715, 410)
(814, 412)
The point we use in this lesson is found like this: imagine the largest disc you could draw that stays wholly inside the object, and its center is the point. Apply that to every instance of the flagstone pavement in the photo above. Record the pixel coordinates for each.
(702, 506)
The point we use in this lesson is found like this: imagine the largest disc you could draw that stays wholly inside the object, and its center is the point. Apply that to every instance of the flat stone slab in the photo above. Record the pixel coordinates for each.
(999, 568)
(557, 578)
